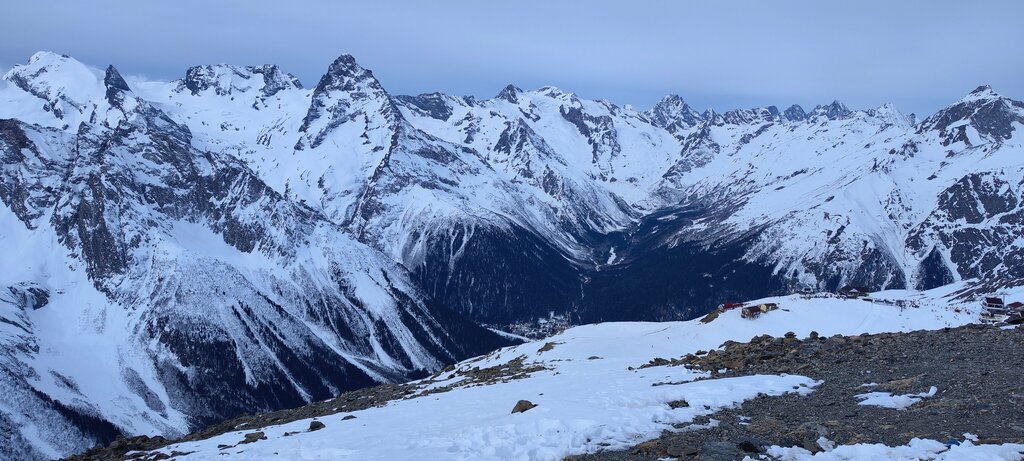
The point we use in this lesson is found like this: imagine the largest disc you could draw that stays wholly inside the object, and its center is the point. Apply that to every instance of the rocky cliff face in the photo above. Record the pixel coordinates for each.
(235, 242)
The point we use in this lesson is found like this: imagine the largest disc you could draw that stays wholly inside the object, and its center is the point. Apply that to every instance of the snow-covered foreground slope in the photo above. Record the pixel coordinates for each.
(589, 390)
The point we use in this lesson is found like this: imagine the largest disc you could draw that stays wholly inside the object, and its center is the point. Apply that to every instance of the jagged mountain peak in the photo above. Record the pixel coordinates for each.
(982, 91)
(748, 116)
(671, 99)
(227, 79)
(510, 93)
(990, 114)
(672, 109)
(345, 70)
(116, 87)
(113, 80)
(835, 110)
(346, 75)
(983, 94)
(344, 93)
(795, 113)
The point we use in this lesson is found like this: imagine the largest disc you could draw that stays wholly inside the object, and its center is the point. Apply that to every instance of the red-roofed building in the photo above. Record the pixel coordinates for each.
(729, 306)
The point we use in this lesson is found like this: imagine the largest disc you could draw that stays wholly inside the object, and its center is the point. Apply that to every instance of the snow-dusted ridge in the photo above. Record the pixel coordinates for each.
(236, 241)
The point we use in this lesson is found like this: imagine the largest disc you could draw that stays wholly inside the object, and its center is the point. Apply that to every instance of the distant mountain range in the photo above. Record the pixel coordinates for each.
(180, 252)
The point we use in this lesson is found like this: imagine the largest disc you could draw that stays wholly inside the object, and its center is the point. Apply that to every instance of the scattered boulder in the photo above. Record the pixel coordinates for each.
(658, 362)
(254, 437)
(348, 417)
(522, 406)
(678, 404)
(315, 425)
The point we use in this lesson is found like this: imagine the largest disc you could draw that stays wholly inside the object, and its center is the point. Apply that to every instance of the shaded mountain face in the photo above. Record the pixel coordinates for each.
(235, 242)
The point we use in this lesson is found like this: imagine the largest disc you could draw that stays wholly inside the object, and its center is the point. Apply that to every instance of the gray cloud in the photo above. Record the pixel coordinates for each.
(724, 54)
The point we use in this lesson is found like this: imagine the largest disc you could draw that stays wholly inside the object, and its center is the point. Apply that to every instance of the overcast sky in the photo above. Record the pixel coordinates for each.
(920, 55)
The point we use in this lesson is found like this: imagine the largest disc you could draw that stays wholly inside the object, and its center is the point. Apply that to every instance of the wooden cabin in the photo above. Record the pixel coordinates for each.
(751, 312)
(853, 292)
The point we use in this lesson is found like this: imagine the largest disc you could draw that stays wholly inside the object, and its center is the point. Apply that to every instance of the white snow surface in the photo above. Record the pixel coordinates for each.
(916, 449)
(591, 395)
(894, 401)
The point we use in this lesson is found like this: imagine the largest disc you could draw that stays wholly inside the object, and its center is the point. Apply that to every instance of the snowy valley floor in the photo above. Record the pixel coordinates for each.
(594, 396)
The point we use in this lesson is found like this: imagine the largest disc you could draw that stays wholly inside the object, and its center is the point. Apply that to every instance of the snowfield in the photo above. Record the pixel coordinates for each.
(896, 402)
(591, 394)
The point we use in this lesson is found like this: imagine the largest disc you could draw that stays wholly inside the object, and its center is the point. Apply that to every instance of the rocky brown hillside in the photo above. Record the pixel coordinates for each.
(976, 370)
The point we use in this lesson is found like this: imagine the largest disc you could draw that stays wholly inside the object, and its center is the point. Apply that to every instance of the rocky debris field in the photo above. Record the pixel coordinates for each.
(976, 370)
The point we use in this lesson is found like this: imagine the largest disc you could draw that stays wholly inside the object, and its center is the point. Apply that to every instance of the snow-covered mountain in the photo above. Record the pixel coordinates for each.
(234, 241)
(864, 197)
(154, 286)
(755, 201)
